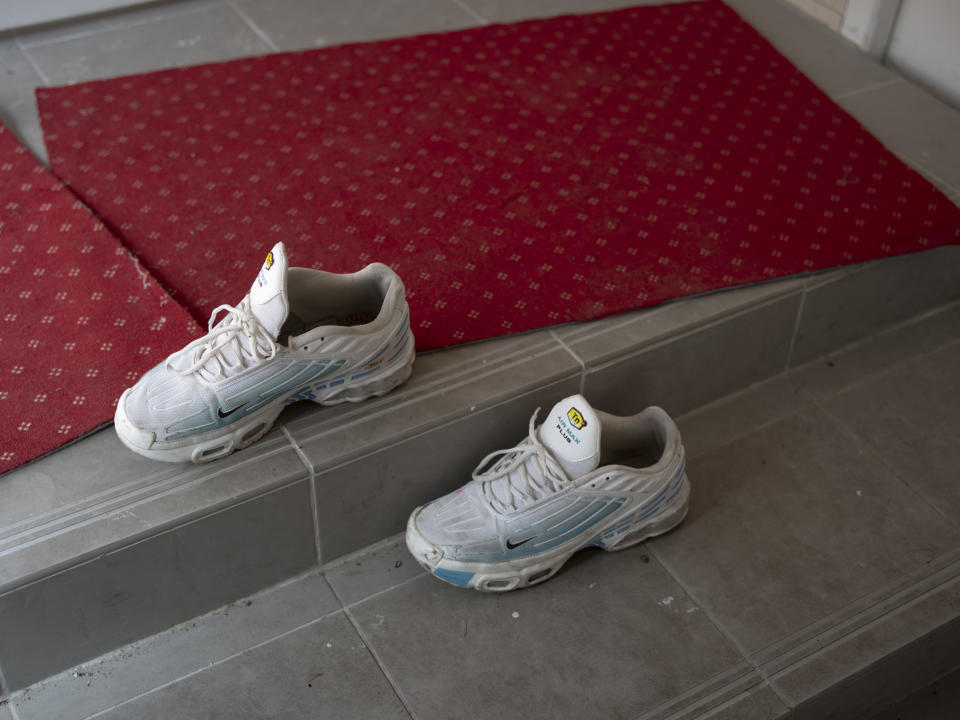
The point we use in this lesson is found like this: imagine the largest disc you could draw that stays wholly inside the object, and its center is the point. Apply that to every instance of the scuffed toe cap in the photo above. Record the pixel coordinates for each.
(457, 518)
(425, 552)
(161, 398)
(129, 433)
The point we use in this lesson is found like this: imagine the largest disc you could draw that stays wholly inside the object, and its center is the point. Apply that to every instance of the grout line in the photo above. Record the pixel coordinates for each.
(375, 656)
(591, 328)
(314, 506)
(467, 9)
(868, 610)
(583, 365)
(10, 694)
(253, 647)
(260, 32)
(868, 88)
(690, 330)
(228, 658)
(371, 548)
(385, 590)
(796, 329)
(880, 372)
(882, 461)
(365, 640)
(127, 501)
(36, 68)
(727, 635)
(185, 9)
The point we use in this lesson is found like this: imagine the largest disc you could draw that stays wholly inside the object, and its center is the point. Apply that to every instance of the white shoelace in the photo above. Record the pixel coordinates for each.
(526, 485)
(239, 334)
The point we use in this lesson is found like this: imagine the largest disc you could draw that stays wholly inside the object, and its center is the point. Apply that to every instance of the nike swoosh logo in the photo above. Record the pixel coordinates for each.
(222, 414)
(511, 545)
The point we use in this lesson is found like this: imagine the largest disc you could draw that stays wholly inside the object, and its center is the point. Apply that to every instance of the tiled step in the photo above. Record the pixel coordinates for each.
(99, 547)
(817, 576)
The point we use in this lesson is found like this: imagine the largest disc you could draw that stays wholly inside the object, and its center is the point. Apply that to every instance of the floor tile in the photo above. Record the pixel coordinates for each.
(296, 24)
(912, 123)
(876, 295)
(910, 417)
(205, 35)
(18, 109)
(605, 340)
(96, 465)
(321, 671)
(735, 416)
(829, 375)
(461, 654)
(861, 671)
(135, 591)
(833, 64)
(179, 652)
(380, 567)
(95, 494)
(742, 350)
(792, 523)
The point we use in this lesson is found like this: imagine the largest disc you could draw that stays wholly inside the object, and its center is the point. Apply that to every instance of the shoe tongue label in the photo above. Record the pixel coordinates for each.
(268, 299)
(572, 432)
(270, 279)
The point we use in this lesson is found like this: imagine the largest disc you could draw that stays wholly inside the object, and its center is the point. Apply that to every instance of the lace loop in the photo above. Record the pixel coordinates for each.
(519, 483)
(238, 334)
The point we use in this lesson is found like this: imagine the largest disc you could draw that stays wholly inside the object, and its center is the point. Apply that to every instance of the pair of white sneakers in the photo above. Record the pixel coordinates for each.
(583, 478)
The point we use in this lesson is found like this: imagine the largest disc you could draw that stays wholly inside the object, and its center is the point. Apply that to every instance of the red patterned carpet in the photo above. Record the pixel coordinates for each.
(516, 176)
(80, 319)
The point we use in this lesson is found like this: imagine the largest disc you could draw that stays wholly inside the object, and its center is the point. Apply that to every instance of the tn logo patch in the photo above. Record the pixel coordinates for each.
(576, 418)
(268, 263)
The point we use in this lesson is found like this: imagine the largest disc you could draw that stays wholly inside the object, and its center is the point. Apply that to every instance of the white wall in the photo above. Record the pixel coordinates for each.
(868, 23)
(925, 45)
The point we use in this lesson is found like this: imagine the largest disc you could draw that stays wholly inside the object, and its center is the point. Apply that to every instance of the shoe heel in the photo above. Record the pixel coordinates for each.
(662, 522)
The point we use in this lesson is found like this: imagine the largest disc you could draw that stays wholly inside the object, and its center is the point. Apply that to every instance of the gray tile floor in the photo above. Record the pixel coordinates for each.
(806, 512)
(842, 471)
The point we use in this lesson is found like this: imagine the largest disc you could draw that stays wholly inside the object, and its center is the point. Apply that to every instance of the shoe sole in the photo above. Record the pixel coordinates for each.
(251, 428)
(521, 573)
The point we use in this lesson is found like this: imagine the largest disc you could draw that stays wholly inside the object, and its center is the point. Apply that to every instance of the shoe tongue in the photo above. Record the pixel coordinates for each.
(268, 294)
(572, 433)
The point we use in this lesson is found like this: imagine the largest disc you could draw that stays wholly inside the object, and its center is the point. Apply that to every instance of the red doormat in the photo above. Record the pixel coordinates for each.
(516, 176)
(80, 319)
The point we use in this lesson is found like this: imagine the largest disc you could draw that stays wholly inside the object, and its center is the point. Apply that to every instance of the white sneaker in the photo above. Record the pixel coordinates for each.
(299, 334)
(518, 522)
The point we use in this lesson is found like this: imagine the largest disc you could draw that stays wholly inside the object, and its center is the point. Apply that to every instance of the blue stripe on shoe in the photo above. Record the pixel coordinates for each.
(456, 577)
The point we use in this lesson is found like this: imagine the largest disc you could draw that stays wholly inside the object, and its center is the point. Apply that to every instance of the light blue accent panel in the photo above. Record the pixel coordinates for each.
(255, 398)
(400, 349)
(457, 577)
(197, 423)
(579, 523)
